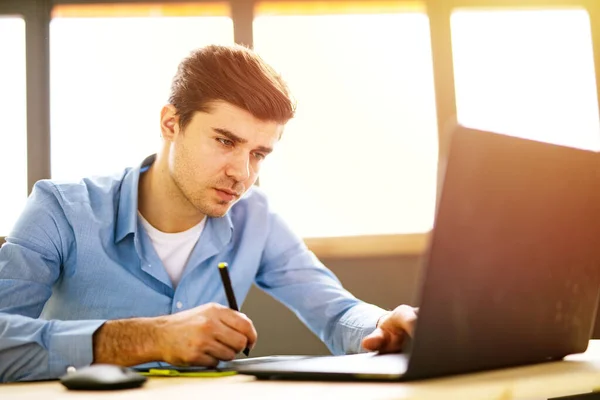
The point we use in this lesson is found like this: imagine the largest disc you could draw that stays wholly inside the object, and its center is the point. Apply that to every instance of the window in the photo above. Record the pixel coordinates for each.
(13, 135)
(360, 157)
(111, 67)
(527, 73)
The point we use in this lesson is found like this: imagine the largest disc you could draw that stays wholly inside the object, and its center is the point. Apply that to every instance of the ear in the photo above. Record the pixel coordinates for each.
(169, 122)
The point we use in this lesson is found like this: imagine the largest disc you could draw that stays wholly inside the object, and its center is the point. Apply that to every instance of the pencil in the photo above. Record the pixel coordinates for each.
(229, 292)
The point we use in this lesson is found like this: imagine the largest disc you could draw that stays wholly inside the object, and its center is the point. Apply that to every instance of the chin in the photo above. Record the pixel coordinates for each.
(216, 211)
(216, 214)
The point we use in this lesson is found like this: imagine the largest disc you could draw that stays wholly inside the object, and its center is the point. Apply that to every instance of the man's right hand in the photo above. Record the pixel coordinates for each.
(204, 335)
(200, 336)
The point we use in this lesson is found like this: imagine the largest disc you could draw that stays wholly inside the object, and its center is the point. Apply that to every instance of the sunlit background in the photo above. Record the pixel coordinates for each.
(528, 74)
(13, 134)
(360, 158)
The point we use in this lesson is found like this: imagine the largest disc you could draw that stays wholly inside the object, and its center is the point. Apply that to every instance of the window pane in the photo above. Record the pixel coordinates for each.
(13, 135)
(360, 157)
(528, 74)
(110, 76)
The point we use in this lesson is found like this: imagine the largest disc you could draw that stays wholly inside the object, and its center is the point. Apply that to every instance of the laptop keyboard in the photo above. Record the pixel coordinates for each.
(364, 363)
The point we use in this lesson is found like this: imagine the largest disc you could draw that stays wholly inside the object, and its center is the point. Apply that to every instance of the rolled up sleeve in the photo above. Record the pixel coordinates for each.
(35, 349)
(30, 263)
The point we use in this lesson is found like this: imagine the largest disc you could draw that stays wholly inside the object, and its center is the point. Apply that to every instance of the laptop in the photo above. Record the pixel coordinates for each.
(512, 269)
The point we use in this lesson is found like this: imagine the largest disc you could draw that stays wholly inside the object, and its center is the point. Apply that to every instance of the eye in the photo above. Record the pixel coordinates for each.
(225, 142)
(259, 156)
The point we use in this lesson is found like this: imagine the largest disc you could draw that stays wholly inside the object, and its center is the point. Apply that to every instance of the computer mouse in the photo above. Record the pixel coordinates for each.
(102, 377)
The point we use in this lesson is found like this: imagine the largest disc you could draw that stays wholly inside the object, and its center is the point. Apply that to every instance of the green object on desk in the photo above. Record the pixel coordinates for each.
(190, 374)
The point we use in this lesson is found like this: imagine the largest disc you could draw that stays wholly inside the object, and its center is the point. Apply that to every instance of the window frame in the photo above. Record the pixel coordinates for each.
(37, 81)
(37, 15)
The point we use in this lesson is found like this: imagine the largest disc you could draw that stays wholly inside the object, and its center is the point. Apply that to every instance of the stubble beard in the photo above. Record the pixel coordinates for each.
(203, 199)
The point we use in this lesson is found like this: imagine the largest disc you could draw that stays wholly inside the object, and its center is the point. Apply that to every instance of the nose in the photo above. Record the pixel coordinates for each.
(239, 166)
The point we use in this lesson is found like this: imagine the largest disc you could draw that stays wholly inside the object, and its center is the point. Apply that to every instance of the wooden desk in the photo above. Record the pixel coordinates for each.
(576, 374)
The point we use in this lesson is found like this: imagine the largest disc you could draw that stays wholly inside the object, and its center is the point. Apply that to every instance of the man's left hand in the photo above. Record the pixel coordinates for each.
(391, 331)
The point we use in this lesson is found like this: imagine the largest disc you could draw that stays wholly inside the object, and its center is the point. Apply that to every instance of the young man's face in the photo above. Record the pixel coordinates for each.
(218, 155)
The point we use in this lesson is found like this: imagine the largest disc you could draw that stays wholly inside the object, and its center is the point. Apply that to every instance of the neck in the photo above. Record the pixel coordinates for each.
(162, 203)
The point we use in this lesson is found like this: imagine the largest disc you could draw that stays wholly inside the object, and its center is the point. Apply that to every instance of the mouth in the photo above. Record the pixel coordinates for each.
(227, 195)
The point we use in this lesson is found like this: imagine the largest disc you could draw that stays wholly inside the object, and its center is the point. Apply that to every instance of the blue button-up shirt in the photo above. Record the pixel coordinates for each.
(78, 256)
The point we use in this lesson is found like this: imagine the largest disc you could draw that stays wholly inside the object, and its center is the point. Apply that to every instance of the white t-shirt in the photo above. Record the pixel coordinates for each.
(174, 249)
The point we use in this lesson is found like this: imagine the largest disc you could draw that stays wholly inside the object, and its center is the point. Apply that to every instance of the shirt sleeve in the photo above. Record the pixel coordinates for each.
(294, 276)
(30, 263)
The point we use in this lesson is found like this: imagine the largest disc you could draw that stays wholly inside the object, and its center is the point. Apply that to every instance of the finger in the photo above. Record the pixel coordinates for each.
(374, 341)
(384, 342)
(219, 351)
(202, 359)
(241, 323)
(231, 338)
(402, 319)
(393, 343)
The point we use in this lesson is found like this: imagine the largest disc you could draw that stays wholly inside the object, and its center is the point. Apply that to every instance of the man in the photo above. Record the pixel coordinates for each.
(123, 269)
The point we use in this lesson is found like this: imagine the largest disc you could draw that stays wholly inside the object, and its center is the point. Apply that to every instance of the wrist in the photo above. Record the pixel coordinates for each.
(127, 342)
(156, 339)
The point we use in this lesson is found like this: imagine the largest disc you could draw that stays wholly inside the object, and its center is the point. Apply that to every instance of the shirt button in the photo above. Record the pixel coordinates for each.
(179, 305)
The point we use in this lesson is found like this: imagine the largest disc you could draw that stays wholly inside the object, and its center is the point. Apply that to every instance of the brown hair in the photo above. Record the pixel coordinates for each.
(234, 74)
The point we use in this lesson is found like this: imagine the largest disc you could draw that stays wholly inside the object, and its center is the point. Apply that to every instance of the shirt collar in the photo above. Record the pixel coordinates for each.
(128, 205)
(128, 200)
(222, 228)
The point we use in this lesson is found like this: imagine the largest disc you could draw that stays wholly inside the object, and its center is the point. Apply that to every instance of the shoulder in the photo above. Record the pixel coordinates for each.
(252, 214)
(258, 211)
(255, 197)
(90, 191)
(254, 204)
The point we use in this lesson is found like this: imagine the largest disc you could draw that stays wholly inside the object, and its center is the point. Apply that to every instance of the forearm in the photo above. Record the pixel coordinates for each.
(333, 314)
(128, 342)
(293, 275)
